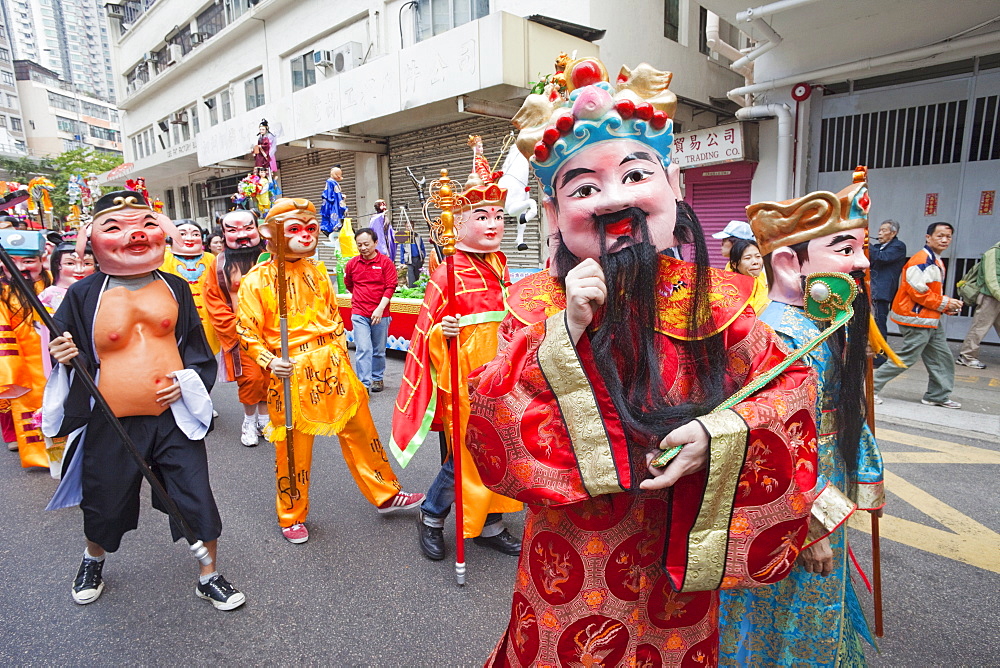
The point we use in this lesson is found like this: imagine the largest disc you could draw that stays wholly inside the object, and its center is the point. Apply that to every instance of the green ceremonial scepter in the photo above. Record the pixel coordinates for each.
(828, 298)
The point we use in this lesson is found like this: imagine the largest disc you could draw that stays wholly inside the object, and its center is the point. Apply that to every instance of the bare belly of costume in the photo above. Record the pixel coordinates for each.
(134, 336)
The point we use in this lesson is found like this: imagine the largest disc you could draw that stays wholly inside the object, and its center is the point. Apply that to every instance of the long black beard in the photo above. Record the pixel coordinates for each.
(242, 259)
(850, 367)
(628, 351)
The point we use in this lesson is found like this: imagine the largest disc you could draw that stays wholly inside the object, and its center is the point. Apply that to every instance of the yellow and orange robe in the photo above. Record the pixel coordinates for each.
(22, 381)
(177, 267)
(758, 298)
(610, 574)
(220, 311)
(424, 400)
(328, 397)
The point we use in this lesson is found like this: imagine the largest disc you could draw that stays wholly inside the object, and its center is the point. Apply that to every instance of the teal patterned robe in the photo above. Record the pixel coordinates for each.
(808, 619)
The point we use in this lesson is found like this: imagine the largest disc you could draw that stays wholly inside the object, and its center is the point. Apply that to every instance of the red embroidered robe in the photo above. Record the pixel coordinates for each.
(590, 586)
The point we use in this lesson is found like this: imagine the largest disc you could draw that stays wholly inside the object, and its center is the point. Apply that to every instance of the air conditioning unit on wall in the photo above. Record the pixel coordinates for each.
(347, 56)
(323, 58)
(174, 53)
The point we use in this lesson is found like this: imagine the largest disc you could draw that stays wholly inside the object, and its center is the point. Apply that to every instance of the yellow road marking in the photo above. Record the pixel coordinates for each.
(968, 541)
(994, 382)
(943, 452)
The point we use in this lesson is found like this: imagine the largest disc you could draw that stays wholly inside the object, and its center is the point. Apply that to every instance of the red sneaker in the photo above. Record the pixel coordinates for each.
(402, 501)
(297, 533)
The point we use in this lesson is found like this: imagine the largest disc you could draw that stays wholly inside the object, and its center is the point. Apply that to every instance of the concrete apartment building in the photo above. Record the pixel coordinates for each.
(68, 37)
(374, 86)
(12, 139)
(60, 118)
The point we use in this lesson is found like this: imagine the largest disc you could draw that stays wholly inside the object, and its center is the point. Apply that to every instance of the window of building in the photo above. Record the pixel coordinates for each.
(4, 55)
(303, 71)
(7, 78)
(671, 19)
(20, 145)
(176, 130)
(104, 133)
(235, 9)
(95, 110)
(12, 101)
(185, 202)
(437, 16)
(15, 124)
(226, 102)
(66, 125)
(136, 149)
(185, 126)
(193, 117)
(702, 37)
(62, 102)
(69, 145)
(213, 111)
(171, 203)
(212, 20)
(255, 91)
(3, 121)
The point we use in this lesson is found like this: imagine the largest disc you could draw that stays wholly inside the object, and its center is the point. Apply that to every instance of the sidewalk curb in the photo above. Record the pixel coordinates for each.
(895, 420)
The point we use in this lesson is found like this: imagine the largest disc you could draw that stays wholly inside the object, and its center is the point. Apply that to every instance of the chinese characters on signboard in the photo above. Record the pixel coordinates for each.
(724, 143)
(930, 204)
(986, 198)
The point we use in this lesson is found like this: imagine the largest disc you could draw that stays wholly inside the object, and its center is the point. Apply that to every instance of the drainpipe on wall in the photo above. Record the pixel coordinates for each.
(786, 145)
(715, 42)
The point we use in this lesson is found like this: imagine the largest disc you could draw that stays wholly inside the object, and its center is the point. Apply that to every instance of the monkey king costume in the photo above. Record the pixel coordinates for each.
(327, 396)
(612, 574)
(137, 332)
(425, 395)
(22, 375)
(808, 618)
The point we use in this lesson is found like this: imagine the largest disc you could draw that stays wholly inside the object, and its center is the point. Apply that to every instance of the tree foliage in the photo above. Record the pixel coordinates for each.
(78, 162)
(24, 169)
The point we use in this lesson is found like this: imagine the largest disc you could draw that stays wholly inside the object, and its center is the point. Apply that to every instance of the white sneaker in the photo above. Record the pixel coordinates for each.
(262, 421)
(249, 435)
(877, 400)
(12, 446)
(947, 403)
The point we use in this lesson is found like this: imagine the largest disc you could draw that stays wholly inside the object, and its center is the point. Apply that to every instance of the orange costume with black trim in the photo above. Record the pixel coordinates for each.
(424, 400)
(614, 575)
(174, 264)
(219, 301)
(22, 382)
(328, 397)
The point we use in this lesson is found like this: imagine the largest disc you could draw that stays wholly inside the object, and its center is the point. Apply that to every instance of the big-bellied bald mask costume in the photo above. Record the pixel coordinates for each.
(824, 232)
(134, 326)
(601, 151)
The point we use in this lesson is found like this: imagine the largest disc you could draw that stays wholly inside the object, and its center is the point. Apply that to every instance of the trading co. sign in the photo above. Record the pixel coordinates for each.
(724, 143)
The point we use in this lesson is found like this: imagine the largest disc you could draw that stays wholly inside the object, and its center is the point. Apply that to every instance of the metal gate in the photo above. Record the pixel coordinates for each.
(933, 154)
(306, 175)
(718, 194)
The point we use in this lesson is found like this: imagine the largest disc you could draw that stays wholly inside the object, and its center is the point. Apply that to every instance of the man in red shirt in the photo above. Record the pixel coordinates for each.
(371, 279)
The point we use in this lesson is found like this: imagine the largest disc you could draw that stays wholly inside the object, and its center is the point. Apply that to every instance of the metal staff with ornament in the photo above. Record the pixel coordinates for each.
(444, 233)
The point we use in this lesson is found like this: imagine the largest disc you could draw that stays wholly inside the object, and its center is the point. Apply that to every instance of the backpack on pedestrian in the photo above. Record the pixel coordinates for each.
(970, 284)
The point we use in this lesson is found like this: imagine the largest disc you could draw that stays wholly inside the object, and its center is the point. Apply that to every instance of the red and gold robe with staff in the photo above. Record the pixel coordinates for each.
(424, 400)
(591, 587)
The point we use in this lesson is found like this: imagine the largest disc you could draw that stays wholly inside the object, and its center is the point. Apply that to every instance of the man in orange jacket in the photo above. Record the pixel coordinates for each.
(917, 309)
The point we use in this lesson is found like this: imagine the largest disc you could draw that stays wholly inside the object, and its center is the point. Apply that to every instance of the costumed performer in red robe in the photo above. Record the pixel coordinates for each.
(619, 351)
(424, 402)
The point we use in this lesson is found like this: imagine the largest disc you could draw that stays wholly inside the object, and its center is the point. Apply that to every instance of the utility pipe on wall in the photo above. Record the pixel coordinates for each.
(715, 42)
(857, 66)
(783, 168)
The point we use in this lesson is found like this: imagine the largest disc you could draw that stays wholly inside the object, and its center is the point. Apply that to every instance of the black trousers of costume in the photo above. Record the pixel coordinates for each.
(111, 478)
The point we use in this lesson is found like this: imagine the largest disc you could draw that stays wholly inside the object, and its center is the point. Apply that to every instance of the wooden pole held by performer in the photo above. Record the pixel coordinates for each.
(286, 383)
(197, 547)
(860, 172)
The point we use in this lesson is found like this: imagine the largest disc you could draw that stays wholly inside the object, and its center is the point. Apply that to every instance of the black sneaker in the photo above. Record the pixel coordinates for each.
(223, 595)
(431, 539)
(89, 584)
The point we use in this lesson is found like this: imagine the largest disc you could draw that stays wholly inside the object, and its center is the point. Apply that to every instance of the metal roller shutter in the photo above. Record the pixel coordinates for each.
(429, 151)
(306, 175)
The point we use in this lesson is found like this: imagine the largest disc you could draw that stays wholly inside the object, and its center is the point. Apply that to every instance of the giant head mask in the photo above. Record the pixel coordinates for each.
(820, 232)
(300, 228)
(127, 236)
(481, 217)
(188, 240)
(239, 228)
(601, 151)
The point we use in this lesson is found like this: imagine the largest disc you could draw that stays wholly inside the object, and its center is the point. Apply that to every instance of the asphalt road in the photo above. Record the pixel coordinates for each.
(360, 593)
